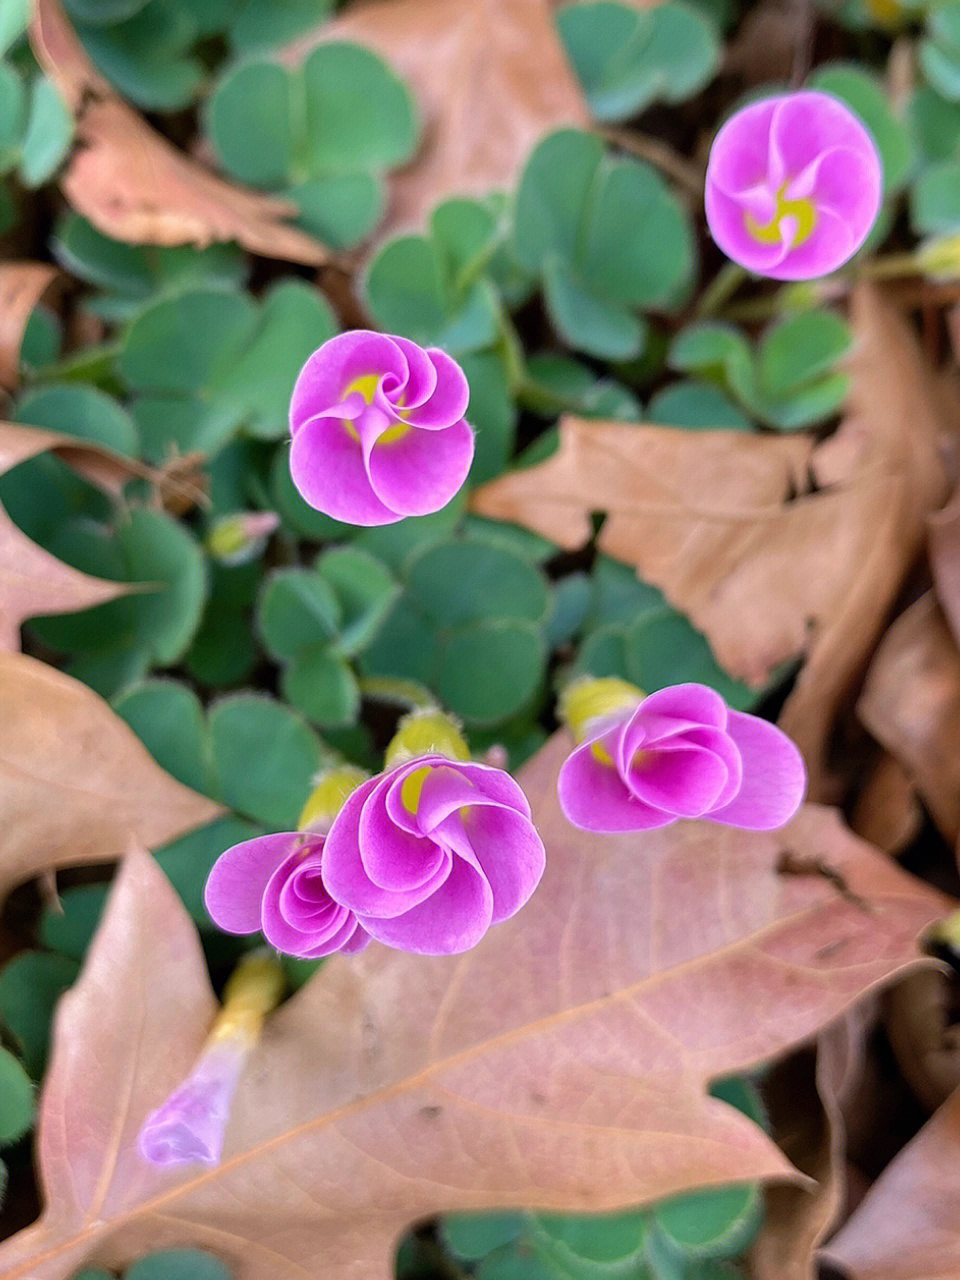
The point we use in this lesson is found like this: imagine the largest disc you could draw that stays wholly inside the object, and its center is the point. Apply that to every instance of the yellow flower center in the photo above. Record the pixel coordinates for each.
(367, 385)
(801, 210)
(412, 788)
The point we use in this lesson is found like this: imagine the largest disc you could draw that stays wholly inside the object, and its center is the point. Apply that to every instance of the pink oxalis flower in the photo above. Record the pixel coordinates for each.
(378, 429)
(433, 852)
(681, 753)
(276, 884)
(793, 186)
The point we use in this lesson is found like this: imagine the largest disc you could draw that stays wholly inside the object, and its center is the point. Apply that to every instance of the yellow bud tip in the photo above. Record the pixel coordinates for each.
(426, 733)
(254, 988)
(585, 701)
(327, 798)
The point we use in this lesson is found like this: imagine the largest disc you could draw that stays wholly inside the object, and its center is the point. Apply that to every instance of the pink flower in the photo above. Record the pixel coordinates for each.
(681, 753)
(189, 1126)
(793, 186)
(276, 883)
(432, 852)
(378, 429)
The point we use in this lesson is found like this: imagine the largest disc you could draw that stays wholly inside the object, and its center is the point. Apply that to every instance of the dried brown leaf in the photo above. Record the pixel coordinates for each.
(32, 581)
(133, 185)
(906, 1226)
(124, 1036)
(887, 813)
(562, 1064)
(75, 782)
(490, 77)
(911, 705)
(921, 1027)
(22, 285)
(802, 1098)
(728, 526)
(944, 538)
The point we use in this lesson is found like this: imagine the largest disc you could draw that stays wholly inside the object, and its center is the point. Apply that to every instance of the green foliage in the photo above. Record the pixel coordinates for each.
(152, 626)
(789, 380)
(939, 50)
(205, 361)
(156, 52)
(16, 1100)
(316, 620)
(323, 135)
(935, 199)
(36, 127)
(168, 1264)
(576, 215)
(627, 59)
(30, 986)
(630, 631)
(129, 276)
(470, 625)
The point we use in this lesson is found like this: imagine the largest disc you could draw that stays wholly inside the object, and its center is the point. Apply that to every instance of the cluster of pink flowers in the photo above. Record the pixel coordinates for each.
(425, 857)
(794, 185)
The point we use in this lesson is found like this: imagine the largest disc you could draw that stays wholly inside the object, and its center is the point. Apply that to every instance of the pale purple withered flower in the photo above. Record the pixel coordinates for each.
(645, 762)
(793, 187)
(188, 1127)
(378, 429)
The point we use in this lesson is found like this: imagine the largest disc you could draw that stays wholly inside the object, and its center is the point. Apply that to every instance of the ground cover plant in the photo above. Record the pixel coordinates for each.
(479, 639)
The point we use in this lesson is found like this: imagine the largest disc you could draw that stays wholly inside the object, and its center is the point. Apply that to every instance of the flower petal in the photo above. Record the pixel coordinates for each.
(234, 890)
(324, 379)
(681, 778)
(346, 876)
(422, 470)
(508, 849)
(774, 776)
(453, 919)
(593, 797)
(327, 466)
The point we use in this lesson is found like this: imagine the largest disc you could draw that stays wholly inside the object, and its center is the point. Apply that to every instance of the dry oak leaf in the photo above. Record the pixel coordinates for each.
(562, 1064)
(801, 1098)
(22, 285)
(906, 1226)
(886, 812)
(129, 1029)
(133, 185)
(730, 528)
(911, 705)
(490, 76)
(75, 782)
(944, 540)
(32, 581)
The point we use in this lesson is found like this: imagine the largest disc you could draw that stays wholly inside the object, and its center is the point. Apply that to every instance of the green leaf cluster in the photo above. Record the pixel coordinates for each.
(626, 628)
(316, 621)
(323, 135)
(627, 59)
(790, 379)
(156, 52)
(167, 1264)
(578, 215)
